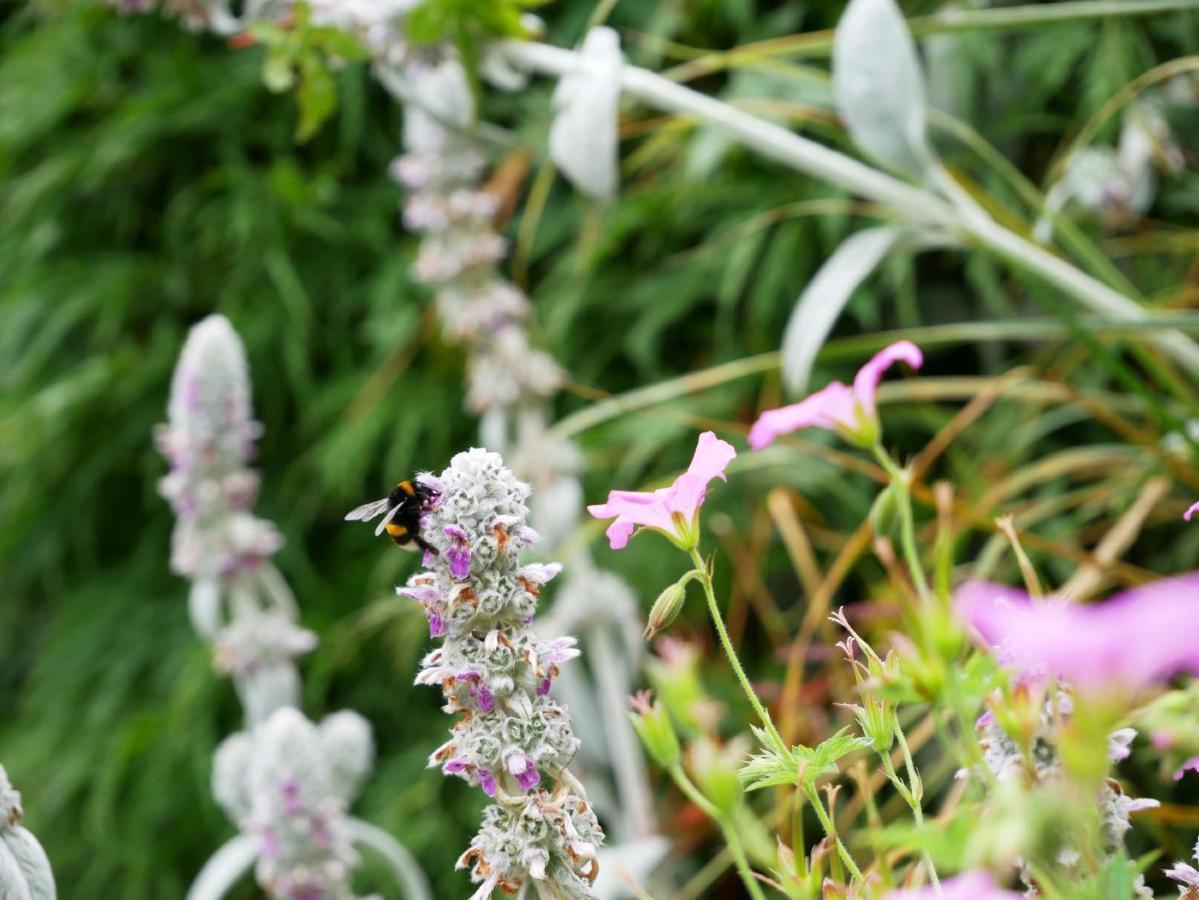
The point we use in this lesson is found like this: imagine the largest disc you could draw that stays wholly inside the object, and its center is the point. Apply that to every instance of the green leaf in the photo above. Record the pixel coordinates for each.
(798, 765)
(317, 99)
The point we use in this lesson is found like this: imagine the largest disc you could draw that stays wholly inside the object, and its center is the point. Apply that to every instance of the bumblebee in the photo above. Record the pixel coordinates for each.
(405, 505)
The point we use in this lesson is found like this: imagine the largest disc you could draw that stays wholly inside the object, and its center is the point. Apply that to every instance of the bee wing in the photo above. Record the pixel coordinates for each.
(366, 511)
(391, 515)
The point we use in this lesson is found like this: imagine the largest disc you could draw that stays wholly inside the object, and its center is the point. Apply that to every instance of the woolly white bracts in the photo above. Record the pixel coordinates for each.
(496, 673)
(553, 839)
(288, 783)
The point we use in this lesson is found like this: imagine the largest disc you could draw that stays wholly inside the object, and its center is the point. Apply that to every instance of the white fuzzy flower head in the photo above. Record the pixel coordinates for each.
(480, 596)
(288, 783)
(258, 640)
(208, 441)
(551, 839)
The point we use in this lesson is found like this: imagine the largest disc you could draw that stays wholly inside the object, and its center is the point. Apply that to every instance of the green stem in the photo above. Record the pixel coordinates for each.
(718, 623)
(822, 815)
(917, 205)
(915, 796)
(907, 521)
(712, 811)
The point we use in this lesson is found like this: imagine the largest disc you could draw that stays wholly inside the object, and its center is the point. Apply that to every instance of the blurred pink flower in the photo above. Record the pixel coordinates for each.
(1190, 511)
(674, 510)
(977, 885)
(1139, 637)
(850, 412)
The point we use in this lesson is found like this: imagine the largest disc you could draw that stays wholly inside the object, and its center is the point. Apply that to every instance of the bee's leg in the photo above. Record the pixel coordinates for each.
(425, 545)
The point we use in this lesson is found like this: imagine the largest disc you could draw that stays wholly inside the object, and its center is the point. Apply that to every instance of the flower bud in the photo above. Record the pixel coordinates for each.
(665, 609)
(877, 720)
(653, 726)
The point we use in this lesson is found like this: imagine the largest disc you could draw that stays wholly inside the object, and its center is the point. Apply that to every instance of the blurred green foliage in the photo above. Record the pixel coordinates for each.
(148, 178)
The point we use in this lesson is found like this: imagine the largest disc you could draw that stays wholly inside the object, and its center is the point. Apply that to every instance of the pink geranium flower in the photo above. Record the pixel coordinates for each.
(849, 411)
(1139, 637)
(967, 886)
(674, 511)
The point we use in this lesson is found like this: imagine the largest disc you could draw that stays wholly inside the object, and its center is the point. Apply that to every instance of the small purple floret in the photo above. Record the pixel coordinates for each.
(292, 803)
(487, 782)
(529, 778)
(458, 553)
(485, 698)
(436, 624)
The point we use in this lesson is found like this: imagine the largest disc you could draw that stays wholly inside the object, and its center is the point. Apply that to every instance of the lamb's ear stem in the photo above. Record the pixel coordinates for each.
(224, 868)
(408, 875)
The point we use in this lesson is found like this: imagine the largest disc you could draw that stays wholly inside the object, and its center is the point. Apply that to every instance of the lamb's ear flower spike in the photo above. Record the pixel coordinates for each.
(849, 411)
(285, 781)
(513, 741)
(1191, 510)
(1142, 636)
(673, 511)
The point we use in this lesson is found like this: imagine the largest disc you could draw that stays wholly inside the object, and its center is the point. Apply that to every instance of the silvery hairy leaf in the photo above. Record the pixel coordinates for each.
(31, 861)
(879, 86)
(825, 296)
(12, 880)
(224, 868)
(583, 139)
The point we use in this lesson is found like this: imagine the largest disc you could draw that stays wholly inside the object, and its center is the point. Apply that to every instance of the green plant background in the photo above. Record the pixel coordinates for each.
(147, 178)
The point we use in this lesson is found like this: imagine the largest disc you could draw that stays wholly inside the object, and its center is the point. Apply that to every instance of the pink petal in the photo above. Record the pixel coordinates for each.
(967, 886)
(1183, 874)
(829, 407)
(1190, 765)
(619, 533)
(865, 384)
(1190, 511)
(712, 457)
(1139, 637)
(633, 508)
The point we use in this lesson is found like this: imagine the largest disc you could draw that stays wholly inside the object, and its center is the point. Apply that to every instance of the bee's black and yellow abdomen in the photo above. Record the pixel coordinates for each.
(396, 529)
